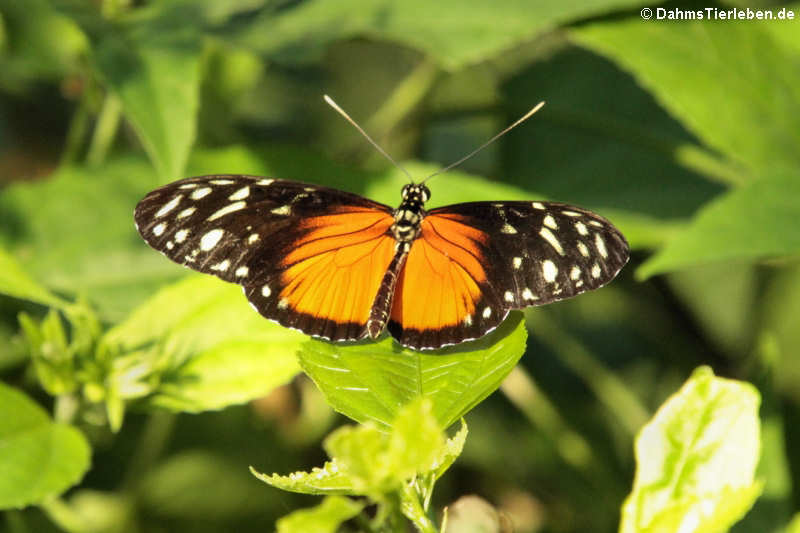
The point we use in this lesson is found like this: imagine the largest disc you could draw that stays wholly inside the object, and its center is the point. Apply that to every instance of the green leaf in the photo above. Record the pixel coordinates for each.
(741, 64)
(39, 459)
(14, 281)
(696, 459)
(373, 380)
(324, 518)
(794, 525)
(154, 68)
(755, 221)
(456, 33)
(210, 348)
(368, 461)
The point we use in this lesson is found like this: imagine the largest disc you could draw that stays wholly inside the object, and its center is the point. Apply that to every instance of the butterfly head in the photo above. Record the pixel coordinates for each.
(416, 193)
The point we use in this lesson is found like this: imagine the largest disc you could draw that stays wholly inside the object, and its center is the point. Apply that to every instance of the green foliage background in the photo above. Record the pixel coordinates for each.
(685, 134)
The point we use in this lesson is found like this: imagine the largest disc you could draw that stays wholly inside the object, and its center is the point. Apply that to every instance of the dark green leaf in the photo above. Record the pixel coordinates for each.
(324, 518)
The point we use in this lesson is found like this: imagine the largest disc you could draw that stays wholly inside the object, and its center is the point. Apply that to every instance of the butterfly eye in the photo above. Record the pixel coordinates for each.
(404, 192)
(426, 193)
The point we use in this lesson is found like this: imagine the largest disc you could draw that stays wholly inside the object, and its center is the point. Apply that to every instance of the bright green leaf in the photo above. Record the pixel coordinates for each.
(451, 450)
(373, 380)
(153, 65)
(212, 349)
(794, 525)
(696, 459)
(14, 281)
(39, 459)
(324, 518)
(739, 92)
(330, 479)
(758, 220)
(456, 33)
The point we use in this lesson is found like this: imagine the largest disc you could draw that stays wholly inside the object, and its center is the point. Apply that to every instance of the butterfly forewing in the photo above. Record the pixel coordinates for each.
(476, 261)
(305, 254)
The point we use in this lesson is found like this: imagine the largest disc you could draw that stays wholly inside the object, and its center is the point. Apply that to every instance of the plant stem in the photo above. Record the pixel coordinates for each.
(105, 130)
(62, 515)
(154, 439)
(609, 389)
(405, 96)
(76, 132)
(412, 508)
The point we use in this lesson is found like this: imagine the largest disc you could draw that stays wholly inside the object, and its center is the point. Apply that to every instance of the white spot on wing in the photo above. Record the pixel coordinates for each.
(169, 206)
(517, 262)
(282, 210)
(549, 237)
(596, 271)
(265, 181)
(230, 208)
(266, 291)
(242, 272)
(252, 238)
(487, 312)
(222, 182)
(181, 235)
(468, 320)
(550, 222)
(170, 246)
(508, 296)
(595, 224)
(188, 186)
(549, 271)
(508, 228)
(309, 189)
(241, 194)
(570, 213)
(581, 227)
(575, 273)
(200, 193)
(583, 249)
(186, 212)
(600, 244)
(538, 205)
(221, 266)
(210, 239)
(158, 229)
(528, 295)
(283, 303)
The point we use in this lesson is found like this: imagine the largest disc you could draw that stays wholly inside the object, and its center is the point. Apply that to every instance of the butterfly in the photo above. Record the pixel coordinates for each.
(341, 267)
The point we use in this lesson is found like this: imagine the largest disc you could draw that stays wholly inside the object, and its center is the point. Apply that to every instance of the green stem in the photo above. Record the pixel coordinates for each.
(105, 130)
(405, 96)
(15, 522)
(412, 508)
(62, 515)
(520, 388)
(66, 408)
(154, 439)
(78, 126)
(610, 390)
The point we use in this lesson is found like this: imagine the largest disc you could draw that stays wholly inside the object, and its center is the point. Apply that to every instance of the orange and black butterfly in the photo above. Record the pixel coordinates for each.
(341, 267)
(338, 266)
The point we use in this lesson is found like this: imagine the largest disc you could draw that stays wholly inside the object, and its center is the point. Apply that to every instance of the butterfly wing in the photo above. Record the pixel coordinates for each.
(474, 262)
(309, 257)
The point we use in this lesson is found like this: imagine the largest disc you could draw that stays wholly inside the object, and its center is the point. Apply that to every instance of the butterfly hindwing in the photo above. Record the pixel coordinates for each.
(474, 262)
(308, 257)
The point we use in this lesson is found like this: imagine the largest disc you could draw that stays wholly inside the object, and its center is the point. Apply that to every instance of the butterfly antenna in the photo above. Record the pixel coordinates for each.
(341, 111)
(527, 115)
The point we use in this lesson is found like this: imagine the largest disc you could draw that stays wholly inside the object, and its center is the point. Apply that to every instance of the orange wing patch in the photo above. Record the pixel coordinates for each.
(334, 271)
(440, 283)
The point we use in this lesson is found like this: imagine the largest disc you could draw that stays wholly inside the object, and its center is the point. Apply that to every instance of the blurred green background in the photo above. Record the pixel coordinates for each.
(686, 134)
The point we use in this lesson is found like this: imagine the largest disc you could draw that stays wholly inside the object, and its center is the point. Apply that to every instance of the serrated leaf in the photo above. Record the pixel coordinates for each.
(39, 459)
(742, 65)
(696, 459)
(451, 450)
(14, 281)
(755, 221)
(455, 33)
(324, 518)
(373, 380)
(153, 65)
(214, 349)
(330, 479)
